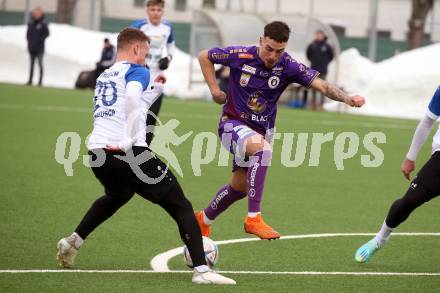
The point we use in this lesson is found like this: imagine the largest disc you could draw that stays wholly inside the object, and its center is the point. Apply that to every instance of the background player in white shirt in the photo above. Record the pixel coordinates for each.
(162, 48)
(117, 146)
(424, 187)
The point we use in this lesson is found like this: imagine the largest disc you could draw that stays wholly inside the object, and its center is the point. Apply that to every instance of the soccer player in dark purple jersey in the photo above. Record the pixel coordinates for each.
(259, 74)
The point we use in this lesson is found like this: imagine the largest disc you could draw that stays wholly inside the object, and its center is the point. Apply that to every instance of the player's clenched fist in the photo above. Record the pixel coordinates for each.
(356, 101)
(160, 79)
(219, 96)
(407, 167)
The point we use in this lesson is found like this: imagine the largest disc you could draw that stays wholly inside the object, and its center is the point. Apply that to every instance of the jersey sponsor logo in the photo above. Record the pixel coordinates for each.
(256, 103)
(259, 118)
(245, 56)
(219, 56)
(156, 37)
(252, 179)
(106, 113)
(108, 74)
(244, 79)
(273, 82)
(244, 115)
(241, 50)
(218, 198)
(277, 70)
(249, 69)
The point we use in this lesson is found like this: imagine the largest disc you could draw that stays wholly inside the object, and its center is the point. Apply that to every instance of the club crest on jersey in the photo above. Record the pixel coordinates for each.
(249, 69)
(244, 79)
(256, 103)
(273, 82)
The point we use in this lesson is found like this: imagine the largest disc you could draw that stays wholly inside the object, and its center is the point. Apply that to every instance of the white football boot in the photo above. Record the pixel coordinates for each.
(67, 251)
(211, 277)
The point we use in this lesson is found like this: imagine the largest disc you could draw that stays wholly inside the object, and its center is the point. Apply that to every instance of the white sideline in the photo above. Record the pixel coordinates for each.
(305, 273)
(159, 263)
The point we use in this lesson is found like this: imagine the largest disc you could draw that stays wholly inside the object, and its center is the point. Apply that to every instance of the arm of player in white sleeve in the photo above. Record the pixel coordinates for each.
(421, 134)
(151, 95)
(133, 114)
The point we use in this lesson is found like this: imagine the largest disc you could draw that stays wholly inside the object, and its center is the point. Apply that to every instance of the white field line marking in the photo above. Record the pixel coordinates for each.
(212, 117)
(159, 263)
(305, 273)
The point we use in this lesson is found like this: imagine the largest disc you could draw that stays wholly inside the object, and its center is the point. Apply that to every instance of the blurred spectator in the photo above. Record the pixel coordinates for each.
(108, 57)
(319, 53)
(37, 32)
(222, 75)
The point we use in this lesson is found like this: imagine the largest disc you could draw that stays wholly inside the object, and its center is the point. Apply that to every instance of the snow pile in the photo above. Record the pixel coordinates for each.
(80, 49)
(399, 87)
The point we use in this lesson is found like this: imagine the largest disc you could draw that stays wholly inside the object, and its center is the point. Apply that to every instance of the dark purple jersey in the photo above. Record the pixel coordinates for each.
(254, 89)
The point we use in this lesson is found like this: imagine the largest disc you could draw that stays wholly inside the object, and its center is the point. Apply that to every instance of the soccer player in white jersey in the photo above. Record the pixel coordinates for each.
(122, 162)
(424, 187)
(162, 48)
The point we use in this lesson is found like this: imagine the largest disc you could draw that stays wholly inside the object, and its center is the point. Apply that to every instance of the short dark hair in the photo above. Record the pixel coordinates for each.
(156, 3)
(129, 36)
(278, 31)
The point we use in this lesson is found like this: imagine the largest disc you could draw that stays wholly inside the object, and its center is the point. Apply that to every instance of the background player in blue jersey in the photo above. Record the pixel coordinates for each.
(258, 76)
(424, 187)
(123, 163)
(162, 48)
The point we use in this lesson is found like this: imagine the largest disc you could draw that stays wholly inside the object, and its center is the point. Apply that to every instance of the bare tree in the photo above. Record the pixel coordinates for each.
(420, 10)
(65, 10)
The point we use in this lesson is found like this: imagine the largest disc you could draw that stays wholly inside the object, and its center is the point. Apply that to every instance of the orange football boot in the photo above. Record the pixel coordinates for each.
(258, 227)
(204, 228)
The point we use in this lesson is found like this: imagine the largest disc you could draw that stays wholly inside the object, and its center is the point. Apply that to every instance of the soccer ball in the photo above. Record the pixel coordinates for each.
(211, 253)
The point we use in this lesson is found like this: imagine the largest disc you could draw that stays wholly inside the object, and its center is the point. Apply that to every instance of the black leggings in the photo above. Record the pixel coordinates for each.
(423, 188)
(121, 183)
(151, 120)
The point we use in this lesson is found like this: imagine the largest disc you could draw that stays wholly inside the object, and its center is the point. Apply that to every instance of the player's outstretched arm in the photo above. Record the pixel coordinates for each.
(333, 92)
(208, 71)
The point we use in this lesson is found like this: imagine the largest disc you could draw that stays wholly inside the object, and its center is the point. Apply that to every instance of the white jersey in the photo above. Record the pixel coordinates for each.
(110, 105)
(161, 42)
(434, 113)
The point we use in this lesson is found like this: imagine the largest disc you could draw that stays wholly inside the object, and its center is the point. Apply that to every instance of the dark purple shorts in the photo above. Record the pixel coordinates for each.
(233, 133)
